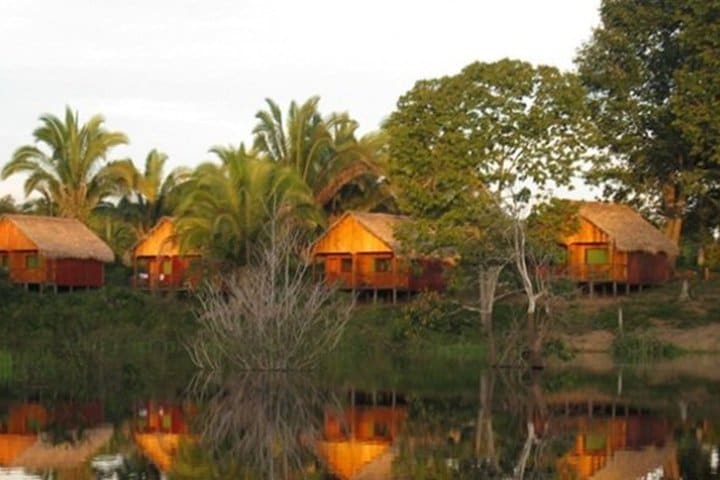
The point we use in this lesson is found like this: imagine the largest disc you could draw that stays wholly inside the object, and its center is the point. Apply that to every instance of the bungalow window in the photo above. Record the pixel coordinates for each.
(346, 265)
(32, 262)
(167, 267)
(319, 268)
(382, 265)
(597, 256)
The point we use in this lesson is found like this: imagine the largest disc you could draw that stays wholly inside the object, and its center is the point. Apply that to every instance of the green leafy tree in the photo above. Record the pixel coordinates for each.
(69, 173)
(226, 206)
(146, 195)
(469, 149)
(340, 168)
(653, 73)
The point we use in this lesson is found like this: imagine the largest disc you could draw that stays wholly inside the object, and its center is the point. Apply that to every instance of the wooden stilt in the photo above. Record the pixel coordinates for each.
(352, 274)
(592, 289)
(375, 295)
(395, 280)
(614, 289)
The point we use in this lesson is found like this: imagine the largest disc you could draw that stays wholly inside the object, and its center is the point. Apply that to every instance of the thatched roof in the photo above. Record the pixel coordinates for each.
(382, 225)
(630, 231)
(61, 237)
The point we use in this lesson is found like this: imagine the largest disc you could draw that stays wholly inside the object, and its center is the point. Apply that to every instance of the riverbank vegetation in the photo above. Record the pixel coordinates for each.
(474, 158)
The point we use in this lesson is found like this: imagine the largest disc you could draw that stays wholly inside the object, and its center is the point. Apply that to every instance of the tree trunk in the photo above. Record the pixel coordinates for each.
(488, 280)
(534, 338)
(674, 210)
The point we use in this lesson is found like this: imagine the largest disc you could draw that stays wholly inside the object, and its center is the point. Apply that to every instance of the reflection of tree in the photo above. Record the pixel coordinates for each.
(501, 432)
(485, 435)
(535, 414)
(265, 421)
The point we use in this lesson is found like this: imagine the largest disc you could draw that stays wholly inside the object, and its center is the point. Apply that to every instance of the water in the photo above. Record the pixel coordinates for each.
(588, 418)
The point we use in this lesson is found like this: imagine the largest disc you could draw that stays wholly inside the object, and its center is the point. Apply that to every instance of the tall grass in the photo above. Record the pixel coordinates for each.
(638, 348)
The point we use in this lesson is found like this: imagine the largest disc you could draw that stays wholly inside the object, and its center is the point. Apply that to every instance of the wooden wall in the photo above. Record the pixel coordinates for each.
(590, 237)
(69, 272)
(158, 246)
(633, 268)
(159, 241)
(350, 240)
(181, 274)
(648, 269)
(349, 236)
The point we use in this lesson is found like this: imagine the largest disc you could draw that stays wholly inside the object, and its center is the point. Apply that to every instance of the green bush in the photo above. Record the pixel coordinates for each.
(430, 312)
(637, 348)
(558, 348)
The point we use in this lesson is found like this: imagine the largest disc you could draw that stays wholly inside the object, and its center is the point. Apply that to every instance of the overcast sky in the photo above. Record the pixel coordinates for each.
(184, 75)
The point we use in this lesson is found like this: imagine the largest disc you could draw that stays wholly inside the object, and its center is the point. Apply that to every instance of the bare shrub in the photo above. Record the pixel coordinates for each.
(269, 315)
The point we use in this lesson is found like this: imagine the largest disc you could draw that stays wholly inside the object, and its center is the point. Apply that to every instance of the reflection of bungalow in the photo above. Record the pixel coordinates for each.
(612, 439)
(58, 252)
(157, 261)
(18, 431)
(21, 446)
(358, 440)
(158, 429)
(614, 244)
(359, 251)
(614, 448)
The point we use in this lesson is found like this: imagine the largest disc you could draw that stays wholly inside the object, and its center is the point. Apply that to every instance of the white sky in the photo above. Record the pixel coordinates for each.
(184, 75)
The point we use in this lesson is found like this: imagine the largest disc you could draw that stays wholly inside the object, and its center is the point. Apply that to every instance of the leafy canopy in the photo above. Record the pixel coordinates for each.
(466, 147)
(653, 73)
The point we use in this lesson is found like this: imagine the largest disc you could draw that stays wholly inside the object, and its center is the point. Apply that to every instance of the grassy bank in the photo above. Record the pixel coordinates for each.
(643, 309)
(655, 322)
(108, 342)
(117, 338)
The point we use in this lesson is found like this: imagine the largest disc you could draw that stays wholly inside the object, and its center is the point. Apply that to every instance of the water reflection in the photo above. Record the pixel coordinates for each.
(358, 439)
(565, 424)
(265, 424)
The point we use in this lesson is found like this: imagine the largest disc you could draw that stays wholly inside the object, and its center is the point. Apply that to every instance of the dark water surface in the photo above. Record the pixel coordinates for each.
(584, 419)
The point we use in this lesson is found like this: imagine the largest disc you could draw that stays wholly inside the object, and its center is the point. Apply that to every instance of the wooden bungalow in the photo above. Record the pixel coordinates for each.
(615, 245)
(158, 263)
(52, 251)
(359, 252)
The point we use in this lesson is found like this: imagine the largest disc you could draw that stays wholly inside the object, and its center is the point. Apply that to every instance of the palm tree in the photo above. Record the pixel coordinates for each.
(227, 206)
(145, 196)
(326, 153)
(70, 173)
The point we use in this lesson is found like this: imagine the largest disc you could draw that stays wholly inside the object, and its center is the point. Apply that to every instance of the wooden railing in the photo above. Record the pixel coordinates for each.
(588, 273)
(368, 280)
